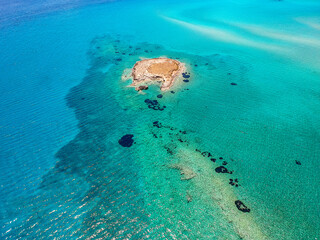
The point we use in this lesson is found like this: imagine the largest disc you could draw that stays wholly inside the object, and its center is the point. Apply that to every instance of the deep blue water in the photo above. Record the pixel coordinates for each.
(64, 108)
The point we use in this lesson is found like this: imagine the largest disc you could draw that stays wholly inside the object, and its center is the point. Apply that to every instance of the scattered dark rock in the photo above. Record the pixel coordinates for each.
(220, 158)
(169, 150)
(142, 87)
(118, 59)
(224, 163)
(172, 92)
(154, 104)
(185, 80)
(298, 162)
(126, 140)
(240, 205)
(222, 169)
(196, 65)
(233, 84)
(186, 75)
(159, 96)
(157, 124)
(233, 183)
(206, 154)
(213, 159)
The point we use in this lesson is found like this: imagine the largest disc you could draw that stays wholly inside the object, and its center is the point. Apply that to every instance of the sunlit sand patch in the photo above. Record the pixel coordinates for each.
(311, 22)
(227, 36)
(221, 193)
(278, 35)
(207, 188)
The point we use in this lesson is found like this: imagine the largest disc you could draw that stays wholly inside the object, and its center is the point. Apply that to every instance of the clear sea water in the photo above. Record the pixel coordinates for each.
(64, 107)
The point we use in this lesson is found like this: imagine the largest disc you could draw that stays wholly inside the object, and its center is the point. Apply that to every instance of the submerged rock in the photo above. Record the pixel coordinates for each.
(222, 169)
(142, 87)
(240, 205)
(185, 74)
(189, 197)
(154, 104)
(126, 140)
(206, 154)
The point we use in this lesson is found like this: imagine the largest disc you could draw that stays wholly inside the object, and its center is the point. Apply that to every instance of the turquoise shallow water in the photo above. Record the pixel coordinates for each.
(64, 108)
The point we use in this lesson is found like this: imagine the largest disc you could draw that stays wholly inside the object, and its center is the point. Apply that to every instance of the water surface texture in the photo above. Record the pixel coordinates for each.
(232, 152)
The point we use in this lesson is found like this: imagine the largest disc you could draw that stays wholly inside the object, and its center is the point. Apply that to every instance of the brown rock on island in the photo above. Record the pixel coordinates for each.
(161, 70)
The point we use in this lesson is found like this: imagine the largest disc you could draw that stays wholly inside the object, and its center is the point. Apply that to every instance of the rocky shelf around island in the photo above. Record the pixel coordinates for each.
(163, 71)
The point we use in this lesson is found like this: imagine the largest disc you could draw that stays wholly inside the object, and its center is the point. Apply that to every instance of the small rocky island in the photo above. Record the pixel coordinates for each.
(163, 71)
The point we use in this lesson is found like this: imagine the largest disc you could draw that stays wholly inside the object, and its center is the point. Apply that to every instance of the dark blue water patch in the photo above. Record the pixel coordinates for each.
(126, 140)
(159, 96)
(89, 176)
(234, 84)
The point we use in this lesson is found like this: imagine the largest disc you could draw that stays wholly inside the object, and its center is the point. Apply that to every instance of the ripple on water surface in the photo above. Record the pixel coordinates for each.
(144, 165)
